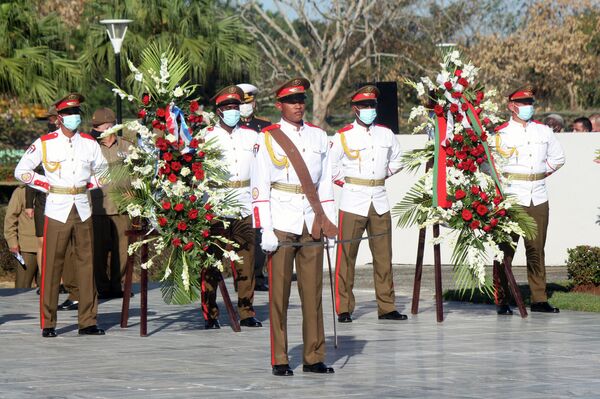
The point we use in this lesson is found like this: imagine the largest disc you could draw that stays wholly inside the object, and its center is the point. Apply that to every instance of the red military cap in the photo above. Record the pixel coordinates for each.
(227, 95)
(72, 100)
(292, 87)
(365, 93)
(522, 93)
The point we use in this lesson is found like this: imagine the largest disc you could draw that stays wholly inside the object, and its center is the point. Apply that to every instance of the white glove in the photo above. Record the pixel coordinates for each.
(330, 242)
(269, 241)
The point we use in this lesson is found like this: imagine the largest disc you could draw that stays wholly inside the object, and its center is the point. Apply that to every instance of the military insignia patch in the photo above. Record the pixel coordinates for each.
(254, 193)
(256, 148)
(31, 149)
(26, 177)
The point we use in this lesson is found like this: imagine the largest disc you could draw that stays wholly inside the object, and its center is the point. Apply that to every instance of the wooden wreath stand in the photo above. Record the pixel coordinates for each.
(132, 236)
(437, 259)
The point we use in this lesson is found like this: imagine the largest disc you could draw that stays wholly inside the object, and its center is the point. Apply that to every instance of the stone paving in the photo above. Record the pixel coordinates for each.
(472, 354)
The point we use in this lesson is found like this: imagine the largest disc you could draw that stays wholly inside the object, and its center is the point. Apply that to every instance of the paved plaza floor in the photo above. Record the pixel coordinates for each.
(473, 354)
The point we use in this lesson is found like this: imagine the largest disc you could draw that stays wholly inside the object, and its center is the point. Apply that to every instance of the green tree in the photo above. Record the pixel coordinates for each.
(206, 31)
(33, 54)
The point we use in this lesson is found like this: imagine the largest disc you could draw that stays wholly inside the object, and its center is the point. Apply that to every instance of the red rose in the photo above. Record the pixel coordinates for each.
(448, 85)
(479, 161)
(487, 228)
(457, 94)
(483, 137)
(458, 138)
(176, 242)
(182, 226)
(155, 124)
(201, 154)
(205, 233)
(486, 121)
(493, 222)
(497, 200)
(449, 151)
(458, 73)
(475, 204)
(453, 108)
(187, 157)
(464, 107)
(188, 246)
(475, 190)
(167, 156)
(466, 215)
(166, 205)
(193, 198)
(484, 196)
(197, 166)
(162, 144)
(479, 96)
(482, 210)
(194, 106)
(209, 217)
(199, 174)
(460, 194)
(178, 207)
(172, 178)
(439, 110)
(146, 99)
(162, 221)
(449, 163)
(193, 214)
(463, 82)
(176, 166)
(474, 151)
(473, 168)
(193, 143)
(474, 224)
(208, 206)
(461, 155)
(141, 114)
(458, 118)
(502, 212)
(165, 170)
(160, 112)
(205, 248)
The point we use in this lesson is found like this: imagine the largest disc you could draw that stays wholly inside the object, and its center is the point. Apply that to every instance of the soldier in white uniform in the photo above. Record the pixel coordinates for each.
(363, 155)
(70, 160)
(284, 214)
(532, 153)
(237, 143)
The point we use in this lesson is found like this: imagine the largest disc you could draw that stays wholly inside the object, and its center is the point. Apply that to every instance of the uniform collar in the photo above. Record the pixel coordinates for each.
(285, 124)
(515, 123)
(362, 128)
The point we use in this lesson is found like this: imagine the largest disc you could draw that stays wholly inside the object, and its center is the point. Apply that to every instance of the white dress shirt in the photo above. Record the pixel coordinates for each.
(238, 152)
(287, 211)
(70, 163)
(528, 150)
(374, 155)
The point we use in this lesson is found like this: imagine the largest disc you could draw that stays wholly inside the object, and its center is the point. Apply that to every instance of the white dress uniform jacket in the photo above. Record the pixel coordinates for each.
(68, 163)
(238, 152)
(288, 211)
(371, 153)
(528, 150)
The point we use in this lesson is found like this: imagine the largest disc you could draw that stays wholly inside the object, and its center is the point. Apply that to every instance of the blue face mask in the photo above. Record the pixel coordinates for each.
(231, 117)
(71, 122)
(367, 115)
(525, 112)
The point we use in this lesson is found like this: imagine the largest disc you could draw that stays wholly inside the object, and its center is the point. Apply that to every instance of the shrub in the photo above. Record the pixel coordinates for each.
(583, 265)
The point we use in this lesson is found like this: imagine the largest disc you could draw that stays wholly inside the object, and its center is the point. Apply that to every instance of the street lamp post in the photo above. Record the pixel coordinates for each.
(116, 29)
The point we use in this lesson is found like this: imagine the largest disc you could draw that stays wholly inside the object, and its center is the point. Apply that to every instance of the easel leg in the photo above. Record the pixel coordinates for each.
(418, 272)
(127, 288)
(144, 294)
(439, 307)
(514, 288)
(233, 317)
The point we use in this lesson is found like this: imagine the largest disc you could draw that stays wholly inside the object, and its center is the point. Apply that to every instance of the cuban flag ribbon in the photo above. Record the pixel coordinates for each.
(177, 126)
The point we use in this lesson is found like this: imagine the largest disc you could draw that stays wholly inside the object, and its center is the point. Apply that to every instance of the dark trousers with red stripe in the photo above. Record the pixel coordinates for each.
(353, 226)
(240, 231)
(57, 237)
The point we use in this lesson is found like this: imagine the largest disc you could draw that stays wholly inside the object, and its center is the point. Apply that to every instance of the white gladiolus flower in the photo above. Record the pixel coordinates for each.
(427, 82)
(137, 184)
(134, 210)
(455, 58)
(417, 111)
(420, 89)
(178, 92)
(147, 265)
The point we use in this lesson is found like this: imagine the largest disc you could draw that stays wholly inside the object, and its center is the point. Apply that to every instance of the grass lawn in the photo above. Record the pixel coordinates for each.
(559, 295)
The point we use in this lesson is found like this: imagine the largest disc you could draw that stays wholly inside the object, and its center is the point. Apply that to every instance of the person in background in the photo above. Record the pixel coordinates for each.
(582, 125)
(595, 119)
(19, 232)
(109, 225)
(556, 122)
(249, 119)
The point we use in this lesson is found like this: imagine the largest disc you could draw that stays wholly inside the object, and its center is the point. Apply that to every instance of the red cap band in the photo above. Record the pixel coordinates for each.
(66, 104)
(227, 96)
(290, 90)
(364, 96)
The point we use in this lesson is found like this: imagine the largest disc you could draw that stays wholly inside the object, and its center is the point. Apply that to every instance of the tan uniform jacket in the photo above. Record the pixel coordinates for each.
(18, 228)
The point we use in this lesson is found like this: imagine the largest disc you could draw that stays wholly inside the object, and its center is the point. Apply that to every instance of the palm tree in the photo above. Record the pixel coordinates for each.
(210, 36)
(34, 64)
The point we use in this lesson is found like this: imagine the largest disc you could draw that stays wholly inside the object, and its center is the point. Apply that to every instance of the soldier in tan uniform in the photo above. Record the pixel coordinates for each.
(19, 232)
(109, 225)
(363, 155)
(71, 161)
(284, 214)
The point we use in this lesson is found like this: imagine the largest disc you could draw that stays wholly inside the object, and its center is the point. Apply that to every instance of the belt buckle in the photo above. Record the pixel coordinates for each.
(72, 190)
(372, 182)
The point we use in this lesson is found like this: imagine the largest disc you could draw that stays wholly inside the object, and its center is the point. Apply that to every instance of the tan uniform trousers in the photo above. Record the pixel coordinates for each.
(69, 274)
(240, 231)
(309, 271)
(25, 277)
(110, 252)
(353, 226)
(56, 242)
(534, 251)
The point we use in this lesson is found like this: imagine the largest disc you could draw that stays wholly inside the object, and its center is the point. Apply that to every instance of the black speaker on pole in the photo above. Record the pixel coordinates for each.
(387, 104)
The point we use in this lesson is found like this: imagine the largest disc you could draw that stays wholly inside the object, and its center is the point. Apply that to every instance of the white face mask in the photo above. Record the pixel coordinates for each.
(246, 110)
